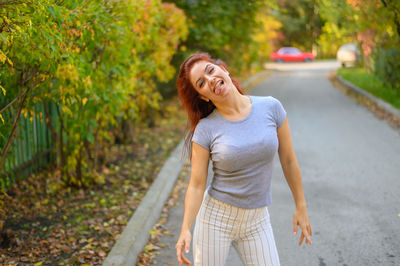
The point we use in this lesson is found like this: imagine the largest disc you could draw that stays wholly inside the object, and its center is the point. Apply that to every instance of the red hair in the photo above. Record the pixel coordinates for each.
(195, 107)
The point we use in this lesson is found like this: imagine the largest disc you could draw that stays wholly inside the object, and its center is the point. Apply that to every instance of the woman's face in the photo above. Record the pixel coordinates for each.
(210, 81)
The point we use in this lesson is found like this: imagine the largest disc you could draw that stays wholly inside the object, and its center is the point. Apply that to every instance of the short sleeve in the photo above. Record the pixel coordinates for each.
(201, 136)
(279, 112)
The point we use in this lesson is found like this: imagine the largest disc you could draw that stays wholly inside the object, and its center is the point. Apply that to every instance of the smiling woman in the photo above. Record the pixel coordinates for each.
(212, 76)
(195, 103)
(241, 135)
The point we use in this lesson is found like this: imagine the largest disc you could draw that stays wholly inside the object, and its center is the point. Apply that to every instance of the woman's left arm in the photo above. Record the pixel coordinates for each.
(292, 174)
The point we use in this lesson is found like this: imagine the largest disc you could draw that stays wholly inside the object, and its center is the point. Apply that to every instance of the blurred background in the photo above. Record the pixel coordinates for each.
(88, 98)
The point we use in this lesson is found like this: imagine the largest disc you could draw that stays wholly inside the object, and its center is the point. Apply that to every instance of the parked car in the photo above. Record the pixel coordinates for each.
(291, 54)
(348, 54)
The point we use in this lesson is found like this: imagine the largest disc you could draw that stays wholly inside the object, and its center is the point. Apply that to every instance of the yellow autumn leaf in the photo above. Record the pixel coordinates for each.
(3, 90)
(1, 117)
(66, 110)
(3, 57)
(38, 263)
(7, 20)
(84, 100)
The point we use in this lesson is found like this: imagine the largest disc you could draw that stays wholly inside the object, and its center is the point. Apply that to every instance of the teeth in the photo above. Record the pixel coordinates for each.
(219, 83)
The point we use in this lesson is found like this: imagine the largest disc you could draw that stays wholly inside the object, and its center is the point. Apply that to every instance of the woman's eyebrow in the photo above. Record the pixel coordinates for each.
(205, 69)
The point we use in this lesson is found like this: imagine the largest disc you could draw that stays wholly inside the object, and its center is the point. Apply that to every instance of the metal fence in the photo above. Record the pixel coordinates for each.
(32, 148)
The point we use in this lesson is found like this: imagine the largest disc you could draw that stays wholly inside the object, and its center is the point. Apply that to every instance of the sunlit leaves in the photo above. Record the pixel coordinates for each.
(100, 60)
(224, 29)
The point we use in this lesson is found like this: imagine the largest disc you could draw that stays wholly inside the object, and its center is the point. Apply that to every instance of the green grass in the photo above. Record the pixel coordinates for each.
(370, 83)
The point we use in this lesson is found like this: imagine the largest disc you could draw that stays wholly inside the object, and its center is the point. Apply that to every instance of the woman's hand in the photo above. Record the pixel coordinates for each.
(300, 218)
(183, 244)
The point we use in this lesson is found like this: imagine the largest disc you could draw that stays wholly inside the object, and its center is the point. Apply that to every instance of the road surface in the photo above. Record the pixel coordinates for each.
(350, 163)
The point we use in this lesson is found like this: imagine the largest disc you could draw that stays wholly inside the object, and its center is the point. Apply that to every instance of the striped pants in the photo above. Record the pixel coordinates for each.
(219, 224)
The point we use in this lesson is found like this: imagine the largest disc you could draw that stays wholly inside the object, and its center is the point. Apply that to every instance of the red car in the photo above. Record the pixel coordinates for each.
(291, 54)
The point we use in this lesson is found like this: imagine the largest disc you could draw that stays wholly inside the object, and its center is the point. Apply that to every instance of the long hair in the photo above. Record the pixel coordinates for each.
(195, 107)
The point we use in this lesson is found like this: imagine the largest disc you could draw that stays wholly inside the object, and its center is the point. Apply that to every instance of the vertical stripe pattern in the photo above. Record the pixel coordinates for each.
(218, 225)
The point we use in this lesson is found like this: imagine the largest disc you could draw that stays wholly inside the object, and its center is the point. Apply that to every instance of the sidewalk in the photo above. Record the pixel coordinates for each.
(167, 254)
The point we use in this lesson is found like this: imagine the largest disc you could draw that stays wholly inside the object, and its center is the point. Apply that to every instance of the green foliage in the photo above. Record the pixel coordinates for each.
(387, 67)
(264, 35)
(301, 23)
(375, 26)
(331, 39)
(224, 29)
(98, 60)
(371, 83)
(372, 24)
(340, 26)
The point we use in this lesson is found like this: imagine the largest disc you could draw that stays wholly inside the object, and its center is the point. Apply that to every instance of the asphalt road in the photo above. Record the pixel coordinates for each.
(350, 163)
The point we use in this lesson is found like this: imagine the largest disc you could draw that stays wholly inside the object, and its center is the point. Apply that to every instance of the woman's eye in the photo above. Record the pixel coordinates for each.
(201, 84)
(211, 70)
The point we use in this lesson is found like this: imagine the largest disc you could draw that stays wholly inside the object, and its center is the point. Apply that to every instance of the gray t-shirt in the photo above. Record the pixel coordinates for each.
(242, 152)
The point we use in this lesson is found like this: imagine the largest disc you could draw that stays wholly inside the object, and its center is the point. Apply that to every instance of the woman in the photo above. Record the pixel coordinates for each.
(241, 134)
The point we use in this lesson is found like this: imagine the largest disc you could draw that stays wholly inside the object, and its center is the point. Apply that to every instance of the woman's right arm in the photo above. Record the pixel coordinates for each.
(193, 198)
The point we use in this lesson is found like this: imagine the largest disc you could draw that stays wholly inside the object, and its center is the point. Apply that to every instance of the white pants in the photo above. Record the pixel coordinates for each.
(219, 224)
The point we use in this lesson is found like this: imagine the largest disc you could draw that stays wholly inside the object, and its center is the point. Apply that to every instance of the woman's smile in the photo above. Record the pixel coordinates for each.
(210, 80)
(218, 87)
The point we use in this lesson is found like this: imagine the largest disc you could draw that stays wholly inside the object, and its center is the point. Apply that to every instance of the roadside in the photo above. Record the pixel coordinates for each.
(160, 249)
(372, 84)
(53, 225)
(372, 103)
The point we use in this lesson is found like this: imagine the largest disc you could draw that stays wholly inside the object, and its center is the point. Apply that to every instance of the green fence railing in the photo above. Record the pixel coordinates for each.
(32, 148)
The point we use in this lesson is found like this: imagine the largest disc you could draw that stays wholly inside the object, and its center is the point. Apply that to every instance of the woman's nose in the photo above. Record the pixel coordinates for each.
(211, 81)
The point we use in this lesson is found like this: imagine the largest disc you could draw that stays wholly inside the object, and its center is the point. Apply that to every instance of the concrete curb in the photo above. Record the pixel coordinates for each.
(382, 104)
(136, 233)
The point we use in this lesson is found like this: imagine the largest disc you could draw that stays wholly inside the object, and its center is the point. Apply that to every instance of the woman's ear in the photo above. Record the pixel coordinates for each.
(204, 98)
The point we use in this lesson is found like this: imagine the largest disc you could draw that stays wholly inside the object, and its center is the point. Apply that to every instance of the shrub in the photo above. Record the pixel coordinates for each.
(387, 66)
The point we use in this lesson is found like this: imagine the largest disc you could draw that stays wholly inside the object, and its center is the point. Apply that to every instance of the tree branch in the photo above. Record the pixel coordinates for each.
(12, 135)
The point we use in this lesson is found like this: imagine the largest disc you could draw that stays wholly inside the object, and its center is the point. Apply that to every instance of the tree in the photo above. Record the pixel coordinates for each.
(224, 29)
(301, 23)
(97, 60)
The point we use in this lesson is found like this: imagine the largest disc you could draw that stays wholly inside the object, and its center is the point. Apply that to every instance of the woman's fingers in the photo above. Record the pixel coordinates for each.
(294, 227)
(186, 260)
(179, 254)
(306, 232)
(301, 238)
(300, 218)
(187, 245)
(180, 247)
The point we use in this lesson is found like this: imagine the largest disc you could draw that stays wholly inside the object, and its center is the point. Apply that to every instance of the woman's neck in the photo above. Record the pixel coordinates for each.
(234, 105)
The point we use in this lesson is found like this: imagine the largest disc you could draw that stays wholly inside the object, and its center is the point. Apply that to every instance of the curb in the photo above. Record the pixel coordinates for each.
(136, 233)
(382, 104)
